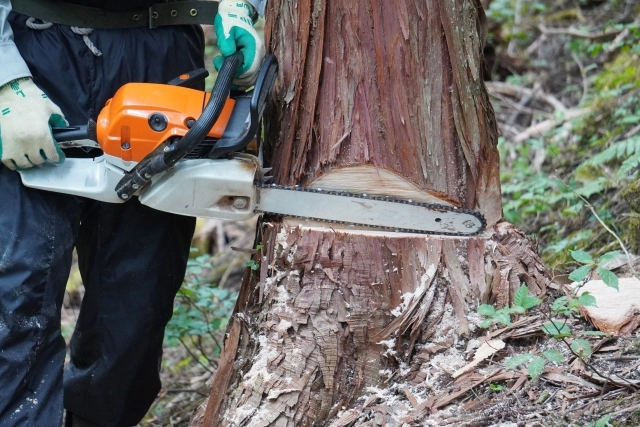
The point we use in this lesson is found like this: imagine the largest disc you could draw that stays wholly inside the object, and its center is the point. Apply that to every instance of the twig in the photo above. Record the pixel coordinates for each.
(518, 91)
(228, 271)
(197, 359)
(634, 131)
(198, 344)
(522, 104)
(206, 319)
(517, 21)
(583, 73)
(516, 106)
(630, 368)
(629, 385)
(619, 358)
(630, 408)
(185, 390)
(577, 33)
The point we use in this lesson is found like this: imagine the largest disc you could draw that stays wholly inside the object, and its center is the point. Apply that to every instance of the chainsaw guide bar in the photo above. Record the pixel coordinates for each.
(385, 213)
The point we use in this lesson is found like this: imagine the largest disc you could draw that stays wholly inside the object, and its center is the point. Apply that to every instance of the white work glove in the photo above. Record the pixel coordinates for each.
(26, 118)
(234, 28)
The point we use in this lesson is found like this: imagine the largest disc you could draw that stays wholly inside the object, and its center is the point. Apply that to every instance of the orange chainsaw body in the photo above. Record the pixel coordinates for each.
(124, 127)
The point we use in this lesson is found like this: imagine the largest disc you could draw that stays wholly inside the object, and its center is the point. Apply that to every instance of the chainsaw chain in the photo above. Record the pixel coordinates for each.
(432, 206)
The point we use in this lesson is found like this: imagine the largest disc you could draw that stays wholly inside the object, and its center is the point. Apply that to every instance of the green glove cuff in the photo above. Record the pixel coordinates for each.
(56, 120)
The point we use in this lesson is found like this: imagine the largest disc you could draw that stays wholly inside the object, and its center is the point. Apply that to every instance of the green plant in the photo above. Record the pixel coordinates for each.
(200, 314)
(568, 306)
(253, 265)
(496, 387)
(522, 302)
(602, 422)
(596, 154)
(535, 363)
(589, 265)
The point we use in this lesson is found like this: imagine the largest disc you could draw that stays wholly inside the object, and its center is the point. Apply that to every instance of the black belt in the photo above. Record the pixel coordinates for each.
(189, 12)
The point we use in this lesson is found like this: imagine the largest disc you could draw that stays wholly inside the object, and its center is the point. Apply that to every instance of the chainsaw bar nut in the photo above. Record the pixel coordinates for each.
(240, 203)
(158, 122)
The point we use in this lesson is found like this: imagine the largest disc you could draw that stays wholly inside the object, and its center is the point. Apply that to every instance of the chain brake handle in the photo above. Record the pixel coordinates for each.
(248, 121)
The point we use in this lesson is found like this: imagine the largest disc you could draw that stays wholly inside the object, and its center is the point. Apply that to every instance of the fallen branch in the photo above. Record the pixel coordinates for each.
(578, 33)
(617, 42)
(542, 127)
(518, 91)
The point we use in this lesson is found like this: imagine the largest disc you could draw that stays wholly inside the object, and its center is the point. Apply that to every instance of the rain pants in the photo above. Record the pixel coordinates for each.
(132, 259)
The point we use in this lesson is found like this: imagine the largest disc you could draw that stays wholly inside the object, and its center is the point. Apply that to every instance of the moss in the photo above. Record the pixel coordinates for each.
(623, 70)
(631, 195)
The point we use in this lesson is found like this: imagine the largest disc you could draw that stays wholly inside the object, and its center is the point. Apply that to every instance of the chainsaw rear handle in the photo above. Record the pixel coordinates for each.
(75, 133)
(156, 163)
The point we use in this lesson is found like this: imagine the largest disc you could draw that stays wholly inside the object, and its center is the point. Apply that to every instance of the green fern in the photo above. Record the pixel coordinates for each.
(629, 165)
(627, 149)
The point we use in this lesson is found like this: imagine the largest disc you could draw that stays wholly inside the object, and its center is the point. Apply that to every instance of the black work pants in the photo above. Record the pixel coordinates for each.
(132, 258)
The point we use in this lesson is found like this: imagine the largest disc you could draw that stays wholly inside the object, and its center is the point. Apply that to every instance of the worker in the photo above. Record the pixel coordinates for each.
(132, 258)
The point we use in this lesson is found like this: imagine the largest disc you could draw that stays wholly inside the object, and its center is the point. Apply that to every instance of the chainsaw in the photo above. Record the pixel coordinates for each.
(199, 154)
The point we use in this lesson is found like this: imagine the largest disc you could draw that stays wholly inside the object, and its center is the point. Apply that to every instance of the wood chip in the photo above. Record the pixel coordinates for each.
(518, 384)
(621, 382)
(610, 348)
(630, 368)
(410, 397)
(617, 313)
(569, 379)
(485, 351)
(444, 401)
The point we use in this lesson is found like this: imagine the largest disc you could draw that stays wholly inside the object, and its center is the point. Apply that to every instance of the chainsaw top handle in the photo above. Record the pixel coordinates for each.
(157, 163)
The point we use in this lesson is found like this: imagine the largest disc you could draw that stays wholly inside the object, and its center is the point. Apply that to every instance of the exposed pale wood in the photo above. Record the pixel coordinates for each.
(375, 181)
(363, 231)
(616, 313)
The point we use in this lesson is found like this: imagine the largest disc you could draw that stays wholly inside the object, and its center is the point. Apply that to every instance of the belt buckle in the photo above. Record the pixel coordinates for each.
(153, 16)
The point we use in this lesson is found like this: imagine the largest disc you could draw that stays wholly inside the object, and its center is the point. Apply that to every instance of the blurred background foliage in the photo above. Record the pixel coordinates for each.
(566, 90)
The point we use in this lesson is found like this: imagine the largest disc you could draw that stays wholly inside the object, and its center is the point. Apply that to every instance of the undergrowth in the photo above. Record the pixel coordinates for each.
(586, 56)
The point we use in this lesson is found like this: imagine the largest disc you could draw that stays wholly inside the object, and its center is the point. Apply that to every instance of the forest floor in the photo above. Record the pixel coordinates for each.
(564, 77)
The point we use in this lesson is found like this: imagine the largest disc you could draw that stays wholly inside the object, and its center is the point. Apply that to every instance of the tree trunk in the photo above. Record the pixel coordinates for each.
(339, 326)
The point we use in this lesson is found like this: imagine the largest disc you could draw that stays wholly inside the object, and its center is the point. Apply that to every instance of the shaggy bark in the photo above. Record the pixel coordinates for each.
(338, 327)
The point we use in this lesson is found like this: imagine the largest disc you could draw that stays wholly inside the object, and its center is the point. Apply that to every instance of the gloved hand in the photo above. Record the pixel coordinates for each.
(234, 28)
(26, 117)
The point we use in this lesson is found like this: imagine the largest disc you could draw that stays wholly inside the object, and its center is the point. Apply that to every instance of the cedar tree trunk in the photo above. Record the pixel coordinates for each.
(335, 327)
